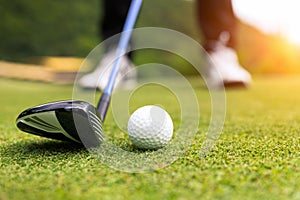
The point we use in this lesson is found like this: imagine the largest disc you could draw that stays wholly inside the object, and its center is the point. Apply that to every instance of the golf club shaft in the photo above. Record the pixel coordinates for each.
(132, 15)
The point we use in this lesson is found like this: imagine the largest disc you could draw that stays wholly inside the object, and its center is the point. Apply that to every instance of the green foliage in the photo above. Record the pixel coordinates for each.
(40, 28)
(70, 27)
(30, 28)
(174, 14)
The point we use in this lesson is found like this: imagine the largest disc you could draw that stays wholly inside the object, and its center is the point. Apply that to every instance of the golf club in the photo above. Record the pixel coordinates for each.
(64, 120)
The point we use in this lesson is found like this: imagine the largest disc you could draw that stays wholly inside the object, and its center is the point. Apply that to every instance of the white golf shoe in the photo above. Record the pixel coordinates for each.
(98, 79)
(225, 69)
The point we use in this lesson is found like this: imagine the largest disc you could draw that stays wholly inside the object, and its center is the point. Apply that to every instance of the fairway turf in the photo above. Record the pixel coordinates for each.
(256, 157)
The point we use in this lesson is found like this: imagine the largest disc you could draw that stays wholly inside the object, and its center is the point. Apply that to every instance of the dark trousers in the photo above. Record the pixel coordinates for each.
(115, 12)
(113, 19)
(214, 17)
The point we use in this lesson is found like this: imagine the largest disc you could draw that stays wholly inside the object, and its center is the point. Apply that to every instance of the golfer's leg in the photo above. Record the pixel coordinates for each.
(216, 17)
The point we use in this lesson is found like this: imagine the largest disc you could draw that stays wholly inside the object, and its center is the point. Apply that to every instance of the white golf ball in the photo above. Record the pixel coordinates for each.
(150, 127)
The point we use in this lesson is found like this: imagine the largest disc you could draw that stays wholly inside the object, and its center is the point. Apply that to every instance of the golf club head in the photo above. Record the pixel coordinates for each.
(75, 121)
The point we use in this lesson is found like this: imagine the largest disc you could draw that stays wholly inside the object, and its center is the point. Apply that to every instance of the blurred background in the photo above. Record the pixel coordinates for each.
(57, 35)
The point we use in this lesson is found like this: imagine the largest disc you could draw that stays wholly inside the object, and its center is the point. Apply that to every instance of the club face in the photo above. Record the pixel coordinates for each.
(75, 121)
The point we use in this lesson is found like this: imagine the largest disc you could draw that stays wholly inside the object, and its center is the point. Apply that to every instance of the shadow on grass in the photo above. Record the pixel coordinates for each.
(40, 148)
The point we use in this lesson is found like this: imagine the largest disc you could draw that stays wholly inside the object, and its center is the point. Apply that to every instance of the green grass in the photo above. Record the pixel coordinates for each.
(257, 156)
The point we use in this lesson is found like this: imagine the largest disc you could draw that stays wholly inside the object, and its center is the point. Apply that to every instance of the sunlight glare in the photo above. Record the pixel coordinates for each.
(272, 16)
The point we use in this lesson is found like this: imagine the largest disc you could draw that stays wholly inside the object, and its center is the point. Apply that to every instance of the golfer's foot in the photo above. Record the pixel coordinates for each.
(98, 79)
(226, 70)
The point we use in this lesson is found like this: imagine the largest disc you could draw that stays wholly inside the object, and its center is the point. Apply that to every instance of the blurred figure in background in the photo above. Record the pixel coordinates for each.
(111, 23)
(217, 23)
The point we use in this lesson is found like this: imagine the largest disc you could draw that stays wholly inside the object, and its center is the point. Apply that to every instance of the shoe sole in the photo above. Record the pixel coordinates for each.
(235, 84)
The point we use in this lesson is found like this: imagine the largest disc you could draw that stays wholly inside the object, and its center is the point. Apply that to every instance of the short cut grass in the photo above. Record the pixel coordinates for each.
(256, 157)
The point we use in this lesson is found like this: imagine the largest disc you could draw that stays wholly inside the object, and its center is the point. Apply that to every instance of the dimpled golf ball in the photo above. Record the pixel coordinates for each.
(150, 127)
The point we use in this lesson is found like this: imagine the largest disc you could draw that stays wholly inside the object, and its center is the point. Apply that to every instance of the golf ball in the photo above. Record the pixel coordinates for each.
(150, 127)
